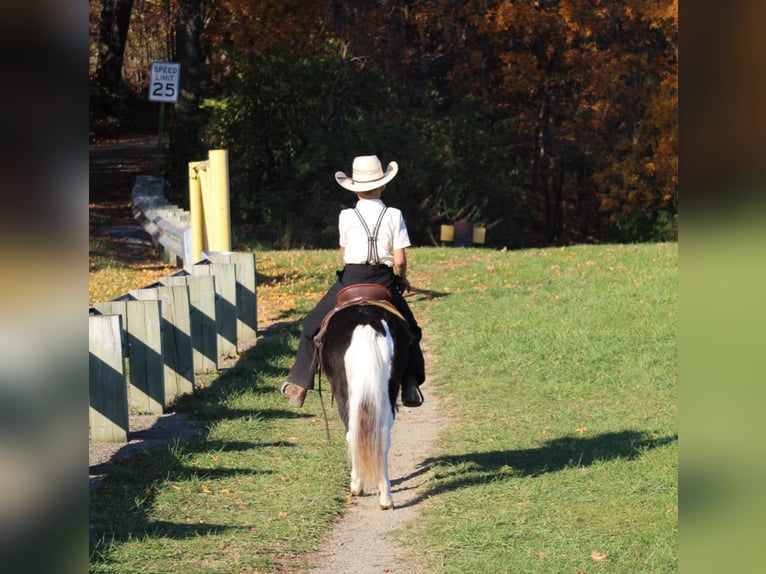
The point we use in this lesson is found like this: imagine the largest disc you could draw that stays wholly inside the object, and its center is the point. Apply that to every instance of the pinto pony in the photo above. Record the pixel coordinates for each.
(362, 350)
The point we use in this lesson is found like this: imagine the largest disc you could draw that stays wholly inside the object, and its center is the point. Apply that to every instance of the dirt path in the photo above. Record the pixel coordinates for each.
(359, 542)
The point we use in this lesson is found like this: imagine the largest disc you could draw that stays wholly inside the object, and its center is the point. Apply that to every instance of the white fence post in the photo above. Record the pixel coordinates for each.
(108, 409)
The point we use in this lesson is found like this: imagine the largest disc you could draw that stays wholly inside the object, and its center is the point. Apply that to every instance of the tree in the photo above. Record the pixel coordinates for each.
(553, 119)
(112, 35)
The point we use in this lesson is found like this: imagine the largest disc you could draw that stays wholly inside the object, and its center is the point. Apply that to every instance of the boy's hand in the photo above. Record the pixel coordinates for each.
(402, 284)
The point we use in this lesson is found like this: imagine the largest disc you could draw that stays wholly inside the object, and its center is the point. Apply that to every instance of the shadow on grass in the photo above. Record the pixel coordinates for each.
(121, 502)
(464, 470)
(418, 294)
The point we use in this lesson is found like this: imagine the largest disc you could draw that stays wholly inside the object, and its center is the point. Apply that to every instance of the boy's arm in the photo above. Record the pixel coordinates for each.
(400, 268)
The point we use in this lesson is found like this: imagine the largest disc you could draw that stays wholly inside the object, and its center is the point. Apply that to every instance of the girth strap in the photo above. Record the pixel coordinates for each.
(372, 238)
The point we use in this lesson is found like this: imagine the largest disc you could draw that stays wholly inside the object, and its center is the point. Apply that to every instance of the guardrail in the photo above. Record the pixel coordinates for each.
(179, 235)
(168, 225)
(151, 345)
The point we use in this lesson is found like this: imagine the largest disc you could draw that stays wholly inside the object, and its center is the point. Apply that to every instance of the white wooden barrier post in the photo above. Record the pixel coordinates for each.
(225, 304)
(177, 349)
(108, 411)
(146, 372)
(202, 317)
(247, 303)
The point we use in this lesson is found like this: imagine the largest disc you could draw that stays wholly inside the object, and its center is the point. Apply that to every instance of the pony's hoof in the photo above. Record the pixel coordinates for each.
(387, 505)
(357, 489)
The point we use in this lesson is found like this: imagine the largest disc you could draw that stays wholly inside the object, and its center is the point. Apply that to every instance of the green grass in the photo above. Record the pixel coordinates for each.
(245, 498)
(556, 369)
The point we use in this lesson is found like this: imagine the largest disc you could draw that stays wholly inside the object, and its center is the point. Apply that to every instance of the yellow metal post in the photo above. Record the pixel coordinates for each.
(195, 209)
(219, 226)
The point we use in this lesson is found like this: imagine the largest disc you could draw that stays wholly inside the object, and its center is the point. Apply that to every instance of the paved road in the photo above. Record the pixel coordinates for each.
(115, 165)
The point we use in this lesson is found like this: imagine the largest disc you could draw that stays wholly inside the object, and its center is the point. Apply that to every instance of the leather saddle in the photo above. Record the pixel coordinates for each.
(359, 294)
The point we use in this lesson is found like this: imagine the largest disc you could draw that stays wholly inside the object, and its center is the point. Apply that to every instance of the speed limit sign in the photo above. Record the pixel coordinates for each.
(163, 86)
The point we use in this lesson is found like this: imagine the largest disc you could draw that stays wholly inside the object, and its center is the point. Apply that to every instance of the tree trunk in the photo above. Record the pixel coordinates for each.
(186, 121)
(540, 166)
(112, 35)
(188, 31)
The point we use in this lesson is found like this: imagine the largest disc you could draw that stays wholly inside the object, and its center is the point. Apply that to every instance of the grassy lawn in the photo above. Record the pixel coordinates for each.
(557, 371)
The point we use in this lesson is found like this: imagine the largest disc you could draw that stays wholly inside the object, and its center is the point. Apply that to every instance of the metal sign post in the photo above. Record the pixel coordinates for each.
(163, 87)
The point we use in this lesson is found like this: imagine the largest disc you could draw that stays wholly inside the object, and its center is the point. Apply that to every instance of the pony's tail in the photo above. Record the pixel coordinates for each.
(368, 371)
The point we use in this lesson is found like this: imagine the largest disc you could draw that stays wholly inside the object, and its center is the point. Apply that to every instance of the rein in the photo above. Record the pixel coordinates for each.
(319, 389)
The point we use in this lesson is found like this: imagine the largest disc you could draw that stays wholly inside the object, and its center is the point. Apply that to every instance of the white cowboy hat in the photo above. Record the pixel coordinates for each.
(367, 174)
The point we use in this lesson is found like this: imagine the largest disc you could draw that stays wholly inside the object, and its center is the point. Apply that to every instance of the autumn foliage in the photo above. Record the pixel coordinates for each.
(550, 121)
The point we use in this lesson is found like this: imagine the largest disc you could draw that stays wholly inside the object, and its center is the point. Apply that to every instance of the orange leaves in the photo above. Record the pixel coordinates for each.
(111, 280)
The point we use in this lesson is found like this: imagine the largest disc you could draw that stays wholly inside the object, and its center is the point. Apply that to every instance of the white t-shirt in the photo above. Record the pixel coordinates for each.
(391, 235)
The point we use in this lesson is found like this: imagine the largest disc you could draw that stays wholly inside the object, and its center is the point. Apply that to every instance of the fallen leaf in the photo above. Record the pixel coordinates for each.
(582, 430)
(597, 556)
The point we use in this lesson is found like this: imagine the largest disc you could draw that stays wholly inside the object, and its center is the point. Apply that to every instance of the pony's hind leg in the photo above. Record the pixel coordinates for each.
(384, 486)
(357, 485)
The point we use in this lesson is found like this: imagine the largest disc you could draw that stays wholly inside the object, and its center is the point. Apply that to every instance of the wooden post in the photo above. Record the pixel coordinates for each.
(247, 303)
(202, 318)
(108, 411)
(177, 355)
(146, 373)
(225, 304)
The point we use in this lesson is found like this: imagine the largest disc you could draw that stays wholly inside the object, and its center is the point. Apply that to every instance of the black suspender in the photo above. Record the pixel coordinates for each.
(372, 238)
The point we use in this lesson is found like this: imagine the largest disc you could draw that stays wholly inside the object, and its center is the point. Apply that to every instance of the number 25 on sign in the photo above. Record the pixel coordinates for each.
(163, 86)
